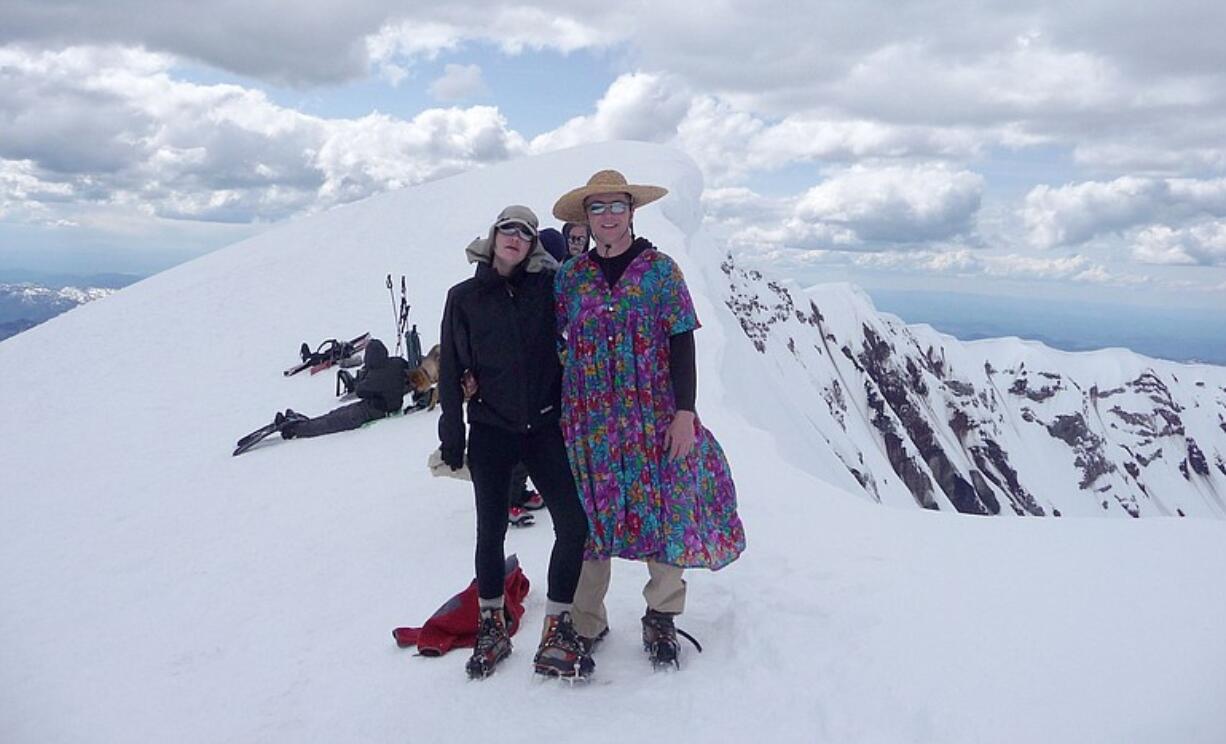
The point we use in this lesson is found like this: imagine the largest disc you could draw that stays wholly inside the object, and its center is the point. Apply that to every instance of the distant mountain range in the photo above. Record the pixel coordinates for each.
(1178, 334)
(26, 304)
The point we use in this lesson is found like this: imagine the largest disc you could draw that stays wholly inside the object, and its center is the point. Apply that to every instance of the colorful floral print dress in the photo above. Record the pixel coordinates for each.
(617, 403)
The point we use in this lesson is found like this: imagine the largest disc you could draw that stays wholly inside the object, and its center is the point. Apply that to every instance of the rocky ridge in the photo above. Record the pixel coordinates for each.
(1004, 426)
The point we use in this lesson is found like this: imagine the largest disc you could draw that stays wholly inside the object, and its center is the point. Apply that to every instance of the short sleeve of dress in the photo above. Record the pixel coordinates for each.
(676, 306)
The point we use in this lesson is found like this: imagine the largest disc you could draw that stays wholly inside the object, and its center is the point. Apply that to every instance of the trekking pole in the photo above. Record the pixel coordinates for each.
(391, 294)
(402, 322)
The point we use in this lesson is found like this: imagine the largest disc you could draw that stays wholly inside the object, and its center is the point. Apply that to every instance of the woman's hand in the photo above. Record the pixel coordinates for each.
(679, 438)
(469, 383)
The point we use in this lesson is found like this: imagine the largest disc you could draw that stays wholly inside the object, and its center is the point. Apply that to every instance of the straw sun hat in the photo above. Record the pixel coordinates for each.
(570, 207)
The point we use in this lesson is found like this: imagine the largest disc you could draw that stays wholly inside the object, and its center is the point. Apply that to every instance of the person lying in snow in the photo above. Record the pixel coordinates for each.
(381, 387)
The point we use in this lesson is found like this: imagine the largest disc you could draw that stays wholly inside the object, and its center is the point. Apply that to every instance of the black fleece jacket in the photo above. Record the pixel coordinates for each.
(504, 330)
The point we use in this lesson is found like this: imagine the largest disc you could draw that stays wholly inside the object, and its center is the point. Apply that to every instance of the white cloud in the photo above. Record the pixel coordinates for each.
(640, 106)
(377, 152)
(459, 82)
(728, 143)
(858, 208)
(114, 127)
(1202, 244)
(426, 32)
(1076, 213)
(895, 204)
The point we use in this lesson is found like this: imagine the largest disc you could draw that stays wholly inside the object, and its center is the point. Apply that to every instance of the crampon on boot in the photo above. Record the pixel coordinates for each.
(519, 517)
(660, 640)
(562, 653)
(493, 644)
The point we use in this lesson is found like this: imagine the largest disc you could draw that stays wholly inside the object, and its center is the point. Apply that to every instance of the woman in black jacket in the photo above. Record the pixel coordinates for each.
(500, 327)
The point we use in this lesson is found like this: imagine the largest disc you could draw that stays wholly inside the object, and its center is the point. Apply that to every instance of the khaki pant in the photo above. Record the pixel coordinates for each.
(665, 592)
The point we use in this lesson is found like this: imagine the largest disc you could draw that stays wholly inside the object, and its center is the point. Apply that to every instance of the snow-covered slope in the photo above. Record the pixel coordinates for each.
(155, 589)
(991, 427)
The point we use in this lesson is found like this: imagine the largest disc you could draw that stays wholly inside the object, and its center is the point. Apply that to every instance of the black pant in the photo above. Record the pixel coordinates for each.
(492, 453)
(519, 484)
(346, 417)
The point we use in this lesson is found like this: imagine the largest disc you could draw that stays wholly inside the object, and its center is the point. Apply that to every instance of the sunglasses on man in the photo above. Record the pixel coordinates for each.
(616, 207)
(516, 229)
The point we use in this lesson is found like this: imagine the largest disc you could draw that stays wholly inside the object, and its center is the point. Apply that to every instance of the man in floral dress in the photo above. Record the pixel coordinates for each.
(654, 482)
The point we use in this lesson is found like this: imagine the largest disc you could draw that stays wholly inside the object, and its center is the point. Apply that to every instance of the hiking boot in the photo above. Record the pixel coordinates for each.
(590, 643)
(531, 500)
(660, 639)
(493, 644)
(561, 653)
(287, 422)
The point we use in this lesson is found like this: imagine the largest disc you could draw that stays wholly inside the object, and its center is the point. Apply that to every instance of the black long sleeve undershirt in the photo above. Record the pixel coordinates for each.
(682, 368)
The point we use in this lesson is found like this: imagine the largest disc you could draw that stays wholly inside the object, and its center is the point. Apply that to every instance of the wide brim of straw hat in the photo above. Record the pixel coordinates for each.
(569, 208)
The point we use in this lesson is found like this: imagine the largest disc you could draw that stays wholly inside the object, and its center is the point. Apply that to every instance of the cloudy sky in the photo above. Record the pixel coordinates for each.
(1029, 149)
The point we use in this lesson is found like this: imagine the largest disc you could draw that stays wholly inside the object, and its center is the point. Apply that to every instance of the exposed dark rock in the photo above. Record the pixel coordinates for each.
(814, 318)
(897, 391)
(866, 481)
(936, 364)
(960, 423)
(1070, 429)
(755, 317)
(1196, 458)
(1139, 420)
(1200, 383)
(988, 497)
(1172, 424)
(1221, 466)
(836, 402)
(792, 345)
(913, 477)
(987, 368)
(916, 378)
(1145, 461)
(1050, 375)
(1088, 446)
(1096, 393)
(847, 353)
(993, 463)
(963, 389)
(1056, 513)
(1132, 469)
(1162, 422)
(1183, 468)
(1157, 390)
(1021, 386)
(1180, 512)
